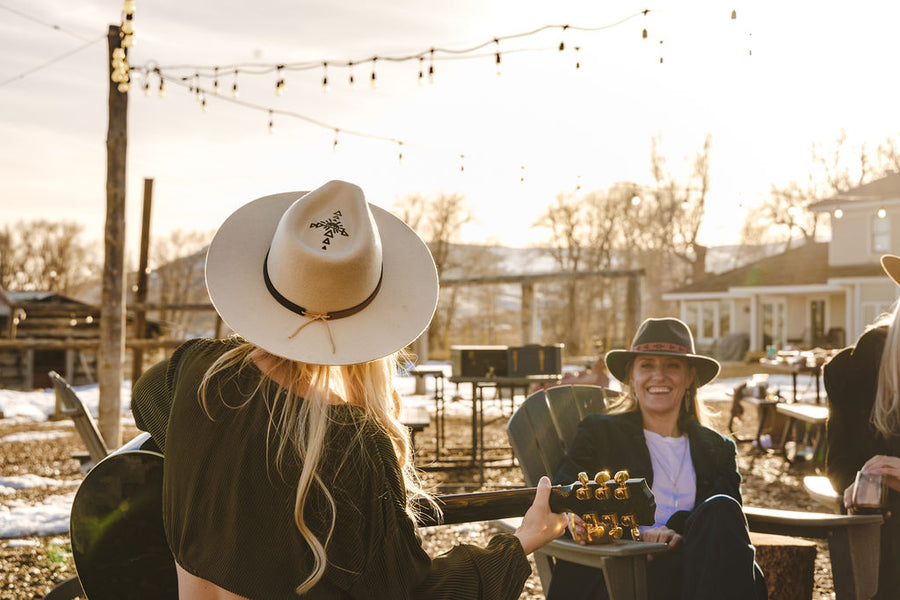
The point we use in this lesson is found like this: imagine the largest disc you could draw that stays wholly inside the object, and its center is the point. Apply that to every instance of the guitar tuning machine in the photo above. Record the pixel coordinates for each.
(630, 522)
(621, 492)
(601, 492)
(583, 493)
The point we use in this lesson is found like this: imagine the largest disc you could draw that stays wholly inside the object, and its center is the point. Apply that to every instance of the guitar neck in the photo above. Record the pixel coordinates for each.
(482, 506)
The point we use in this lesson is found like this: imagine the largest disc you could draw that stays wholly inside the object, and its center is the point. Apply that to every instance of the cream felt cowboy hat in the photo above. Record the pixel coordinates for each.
(321, 277)
(664, 337)
(891, 266)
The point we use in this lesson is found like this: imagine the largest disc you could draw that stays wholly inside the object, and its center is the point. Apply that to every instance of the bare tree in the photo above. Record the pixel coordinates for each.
(176, 263)
(680, 207)
(439, 219)
(46, 255)
(834, 168)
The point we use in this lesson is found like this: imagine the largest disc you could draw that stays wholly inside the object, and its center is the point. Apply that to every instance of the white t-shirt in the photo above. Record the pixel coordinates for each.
(674, 480)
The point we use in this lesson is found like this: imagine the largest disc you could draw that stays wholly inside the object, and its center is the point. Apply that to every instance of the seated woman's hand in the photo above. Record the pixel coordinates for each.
(540, 525)
(662, 535)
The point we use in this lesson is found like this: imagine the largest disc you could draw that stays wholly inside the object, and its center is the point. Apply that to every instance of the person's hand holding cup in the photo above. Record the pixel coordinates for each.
(866, 494)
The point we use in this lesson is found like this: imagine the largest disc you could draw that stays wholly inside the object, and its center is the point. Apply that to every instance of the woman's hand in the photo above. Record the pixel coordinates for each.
(662, 535)
(540, 525)
(577, 528)
(886, 466)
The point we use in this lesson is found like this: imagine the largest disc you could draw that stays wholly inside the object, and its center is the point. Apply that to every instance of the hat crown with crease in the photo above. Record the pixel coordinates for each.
(663, 337)
(321, 277)
(330, 238)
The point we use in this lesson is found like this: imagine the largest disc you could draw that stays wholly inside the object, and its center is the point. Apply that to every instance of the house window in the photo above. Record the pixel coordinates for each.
(708, 323)
(881, 235)
(817, 321)
(724, 318)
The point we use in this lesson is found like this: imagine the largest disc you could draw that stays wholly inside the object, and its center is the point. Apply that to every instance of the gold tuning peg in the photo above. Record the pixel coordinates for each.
(583, 493)
(621, 492)
(629, 522)
(612, 526)
(601, 492)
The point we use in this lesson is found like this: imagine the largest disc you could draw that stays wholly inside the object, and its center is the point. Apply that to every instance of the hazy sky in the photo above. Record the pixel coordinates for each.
(766, 86)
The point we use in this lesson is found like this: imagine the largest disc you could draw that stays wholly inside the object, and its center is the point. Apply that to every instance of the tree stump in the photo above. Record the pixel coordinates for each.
(788, 564)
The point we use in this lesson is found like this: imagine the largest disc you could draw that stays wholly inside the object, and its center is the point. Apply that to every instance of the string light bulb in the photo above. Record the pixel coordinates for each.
(216, 81)
(234, 89)
(279, 85)
(635, 198)
(334, 144)
(577, 57)
(881, 213)
(521, 173)
(462, 163)
(421, 69)
(147, 87)
(162, 88)
(400, 153)
(497, 59)
(431, 66)
(734, 15)
(644, 34)
(352, 79)
(562, 41)
(373, 79)
(324, 77)
(838, 213)
(271, 122)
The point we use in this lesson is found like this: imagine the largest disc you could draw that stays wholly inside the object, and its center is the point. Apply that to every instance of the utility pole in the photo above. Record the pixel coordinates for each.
(111, 350)
(140, 293)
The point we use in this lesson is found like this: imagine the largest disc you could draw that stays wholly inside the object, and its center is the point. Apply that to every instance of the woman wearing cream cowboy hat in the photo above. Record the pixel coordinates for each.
(863, 387)
(287, 472)
(654, 432)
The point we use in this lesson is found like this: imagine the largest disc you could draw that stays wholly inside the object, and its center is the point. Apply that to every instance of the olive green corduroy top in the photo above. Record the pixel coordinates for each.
(228, 512)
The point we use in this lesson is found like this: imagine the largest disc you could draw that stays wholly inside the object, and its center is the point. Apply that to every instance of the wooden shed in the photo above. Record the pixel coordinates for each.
(43, 331)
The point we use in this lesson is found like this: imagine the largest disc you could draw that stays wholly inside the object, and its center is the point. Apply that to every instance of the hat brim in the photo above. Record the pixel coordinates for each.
(891, 266)
(617, 364)
(396, 316)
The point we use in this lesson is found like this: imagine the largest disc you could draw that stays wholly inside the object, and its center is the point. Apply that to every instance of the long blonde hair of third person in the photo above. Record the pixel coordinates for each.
(886, 408)
(306, 392)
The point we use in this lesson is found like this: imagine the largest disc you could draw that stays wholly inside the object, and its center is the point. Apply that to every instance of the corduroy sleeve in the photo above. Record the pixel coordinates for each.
(151, 402)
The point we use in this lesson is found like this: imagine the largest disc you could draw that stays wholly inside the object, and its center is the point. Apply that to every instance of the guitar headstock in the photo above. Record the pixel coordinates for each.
(607, 505)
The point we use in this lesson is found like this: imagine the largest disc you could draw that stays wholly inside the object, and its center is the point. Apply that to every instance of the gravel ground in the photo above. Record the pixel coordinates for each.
(29, 568)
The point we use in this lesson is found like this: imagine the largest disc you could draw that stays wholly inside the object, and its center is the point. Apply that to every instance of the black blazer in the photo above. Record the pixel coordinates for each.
(851, 379)
(616, 442)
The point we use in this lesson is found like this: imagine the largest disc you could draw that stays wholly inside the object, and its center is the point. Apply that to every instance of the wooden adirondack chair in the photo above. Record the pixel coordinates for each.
(74, 408)
(543, 426)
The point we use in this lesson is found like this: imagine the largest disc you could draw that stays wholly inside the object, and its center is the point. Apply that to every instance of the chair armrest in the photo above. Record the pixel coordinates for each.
(803, 524)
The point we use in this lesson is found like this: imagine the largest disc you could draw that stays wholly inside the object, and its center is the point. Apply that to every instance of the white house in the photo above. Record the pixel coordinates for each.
(817, 294)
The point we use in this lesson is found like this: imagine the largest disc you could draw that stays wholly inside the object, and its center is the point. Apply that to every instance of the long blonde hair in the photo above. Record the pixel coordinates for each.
(886, 408)
(301, 427)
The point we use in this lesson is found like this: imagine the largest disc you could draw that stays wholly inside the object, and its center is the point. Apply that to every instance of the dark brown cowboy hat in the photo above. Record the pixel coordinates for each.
(663, 337)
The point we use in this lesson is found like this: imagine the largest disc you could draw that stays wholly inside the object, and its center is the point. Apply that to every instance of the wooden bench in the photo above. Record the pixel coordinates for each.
(544, 425)
(416, 419)
(74, 408)
(811, 418)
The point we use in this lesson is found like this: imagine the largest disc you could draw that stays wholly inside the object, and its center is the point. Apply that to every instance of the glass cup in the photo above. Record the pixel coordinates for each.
(868, 494)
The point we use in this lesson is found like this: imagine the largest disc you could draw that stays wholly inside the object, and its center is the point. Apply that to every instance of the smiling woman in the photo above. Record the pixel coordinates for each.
(654, 432)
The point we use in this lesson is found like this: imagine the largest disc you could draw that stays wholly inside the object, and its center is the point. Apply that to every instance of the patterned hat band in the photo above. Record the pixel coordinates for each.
(661, 347)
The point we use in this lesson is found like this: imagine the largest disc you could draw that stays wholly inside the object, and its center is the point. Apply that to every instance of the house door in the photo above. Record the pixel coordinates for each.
(774, 330)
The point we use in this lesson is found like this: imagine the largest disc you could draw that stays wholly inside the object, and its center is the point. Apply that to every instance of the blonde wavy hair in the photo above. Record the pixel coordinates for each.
(691, 407)
(301, 427)
(886, 408)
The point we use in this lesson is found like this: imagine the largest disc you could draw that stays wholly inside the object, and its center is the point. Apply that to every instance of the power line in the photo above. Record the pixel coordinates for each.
(45, 23)
(51, 61)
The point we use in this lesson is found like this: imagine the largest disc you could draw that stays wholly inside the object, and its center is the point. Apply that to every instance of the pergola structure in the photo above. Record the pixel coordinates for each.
(528, 311)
